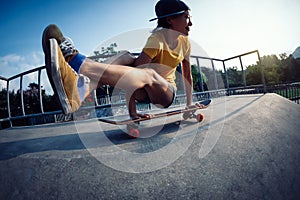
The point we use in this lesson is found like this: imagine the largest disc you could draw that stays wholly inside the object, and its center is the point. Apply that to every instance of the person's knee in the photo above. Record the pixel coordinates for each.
(84, 68)
(122, 58)
(151, 73)
(90, 68)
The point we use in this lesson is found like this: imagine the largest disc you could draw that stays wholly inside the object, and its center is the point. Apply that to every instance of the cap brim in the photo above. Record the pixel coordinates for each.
(168, 15)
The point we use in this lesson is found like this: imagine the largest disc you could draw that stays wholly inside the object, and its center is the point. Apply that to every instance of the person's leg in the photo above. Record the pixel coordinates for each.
(123, 77)
(142, 95)
(65, 81)
(145, 81)
(159, 92)
(62, 77)
(139, 83)
(122, 58)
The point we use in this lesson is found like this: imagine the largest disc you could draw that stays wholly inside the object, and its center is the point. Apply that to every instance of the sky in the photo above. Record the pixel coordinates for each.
(220, 28)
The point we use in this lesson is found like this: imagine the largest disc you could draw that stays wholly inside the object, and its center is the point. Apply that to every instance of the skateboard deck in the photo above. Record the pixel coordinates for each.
(132, 124)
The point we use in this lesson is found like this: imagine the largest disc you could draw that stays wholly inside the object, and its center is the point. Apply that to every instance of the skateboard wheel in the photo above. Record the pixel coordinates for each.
(200, 117)
(185, 115)
(134, 133)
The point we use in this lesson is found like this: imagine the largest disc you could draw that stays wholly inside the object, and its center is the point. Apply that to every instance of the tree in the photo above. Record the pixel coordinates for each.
(110, 50)
(31, 99)
(292, 69)
(271, 66)
(105, 51)
(196, 79)
(235, 78)
(3, 103)
(253, 75)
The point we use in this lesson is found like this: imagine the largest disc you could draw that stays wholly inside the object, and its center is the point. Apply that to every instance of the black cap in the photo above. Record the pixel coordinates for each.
(166, 8)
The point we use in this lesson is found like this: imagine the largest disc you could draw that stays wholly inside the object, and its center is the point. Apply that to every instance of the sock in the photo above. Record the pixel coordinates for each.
(82, 86)
(76, 62)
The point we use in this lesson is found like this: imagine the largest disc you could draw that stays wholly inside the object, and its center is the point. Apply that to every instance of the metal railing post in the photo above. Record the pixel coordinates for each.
(8, 103)
(226, 75)
(200, 75)
(262, 72)
(22, 95)
(243, 72)
(215, 75)
(40, 91)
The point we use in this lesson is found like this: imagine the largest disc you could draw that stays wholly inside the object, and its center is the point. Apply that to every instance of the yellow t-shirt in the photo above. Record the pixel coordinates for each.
(167, 59)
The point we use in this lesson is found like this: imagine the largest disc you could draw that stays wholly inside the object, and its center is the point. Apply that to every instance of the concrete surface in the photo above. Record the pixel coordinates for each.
(248, 147)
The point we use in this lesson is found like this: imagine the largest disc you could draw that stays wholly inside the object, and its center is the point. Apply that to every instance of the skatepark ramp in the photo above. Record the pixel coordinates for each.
(247, 147)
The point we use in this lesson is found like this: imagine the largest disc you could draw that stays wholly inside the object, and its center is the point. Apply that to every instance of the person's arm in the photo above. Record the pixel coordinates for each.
(188, 81)
(131, 104)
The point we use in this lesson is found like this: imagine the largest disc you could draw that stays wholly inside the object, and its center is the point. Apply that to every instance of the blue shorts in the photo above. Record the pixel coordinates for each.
(76, 62)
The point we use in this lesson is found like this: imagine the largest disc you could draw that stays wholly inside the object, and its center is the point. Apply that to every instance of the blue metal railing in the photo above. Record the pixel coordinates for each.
(290, 91)
(56, 116)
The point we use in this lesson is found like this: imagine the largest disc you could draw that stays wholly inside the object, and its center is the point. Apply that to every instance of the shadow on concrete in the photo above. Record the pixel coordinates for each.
(65, 142)
(73, 142)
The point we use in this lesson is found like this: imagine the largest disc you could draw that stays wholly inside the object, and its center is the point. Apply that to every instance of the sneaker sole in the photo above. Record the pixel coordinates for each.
(54, 75)
(56, 34)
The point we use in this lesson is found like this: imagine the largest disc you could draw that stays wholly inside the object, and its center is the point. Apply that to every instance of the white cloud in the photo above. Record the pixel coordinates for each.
(13, 64)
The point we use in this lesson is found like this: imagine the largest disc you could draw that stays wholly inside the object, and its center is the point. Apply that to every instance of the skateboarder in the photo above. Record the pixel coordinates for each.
(167, 47)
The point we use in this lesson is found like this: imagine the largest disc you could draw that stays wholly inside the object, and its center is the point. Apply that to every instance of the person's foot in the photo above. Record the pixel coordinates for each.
(68, 49)
(62, 77)
(65, 44)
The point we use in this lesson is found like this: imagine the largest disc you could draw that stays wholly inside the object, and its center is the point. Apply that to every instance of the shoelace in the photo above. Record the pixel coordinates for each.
(67, 48)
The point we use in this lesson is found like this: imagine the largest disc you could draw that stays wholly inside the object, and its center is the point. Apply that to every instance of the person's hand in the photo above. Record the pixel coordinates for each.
(139, 116)
(186, 115)
(200, 105)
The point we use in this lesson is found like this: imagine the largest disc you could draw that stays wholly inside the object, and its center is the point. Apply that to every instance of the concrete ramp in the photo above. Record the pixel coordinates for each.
(248, 147)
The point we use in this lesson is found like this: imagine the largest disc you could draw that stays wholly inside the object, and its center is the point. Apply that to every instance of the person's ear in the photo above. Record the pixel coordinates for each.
(170, 21)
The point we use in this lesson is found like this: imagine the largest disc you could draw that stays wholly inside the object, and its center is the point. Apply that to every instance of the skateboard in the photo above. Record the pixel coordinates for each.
(133, 124)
